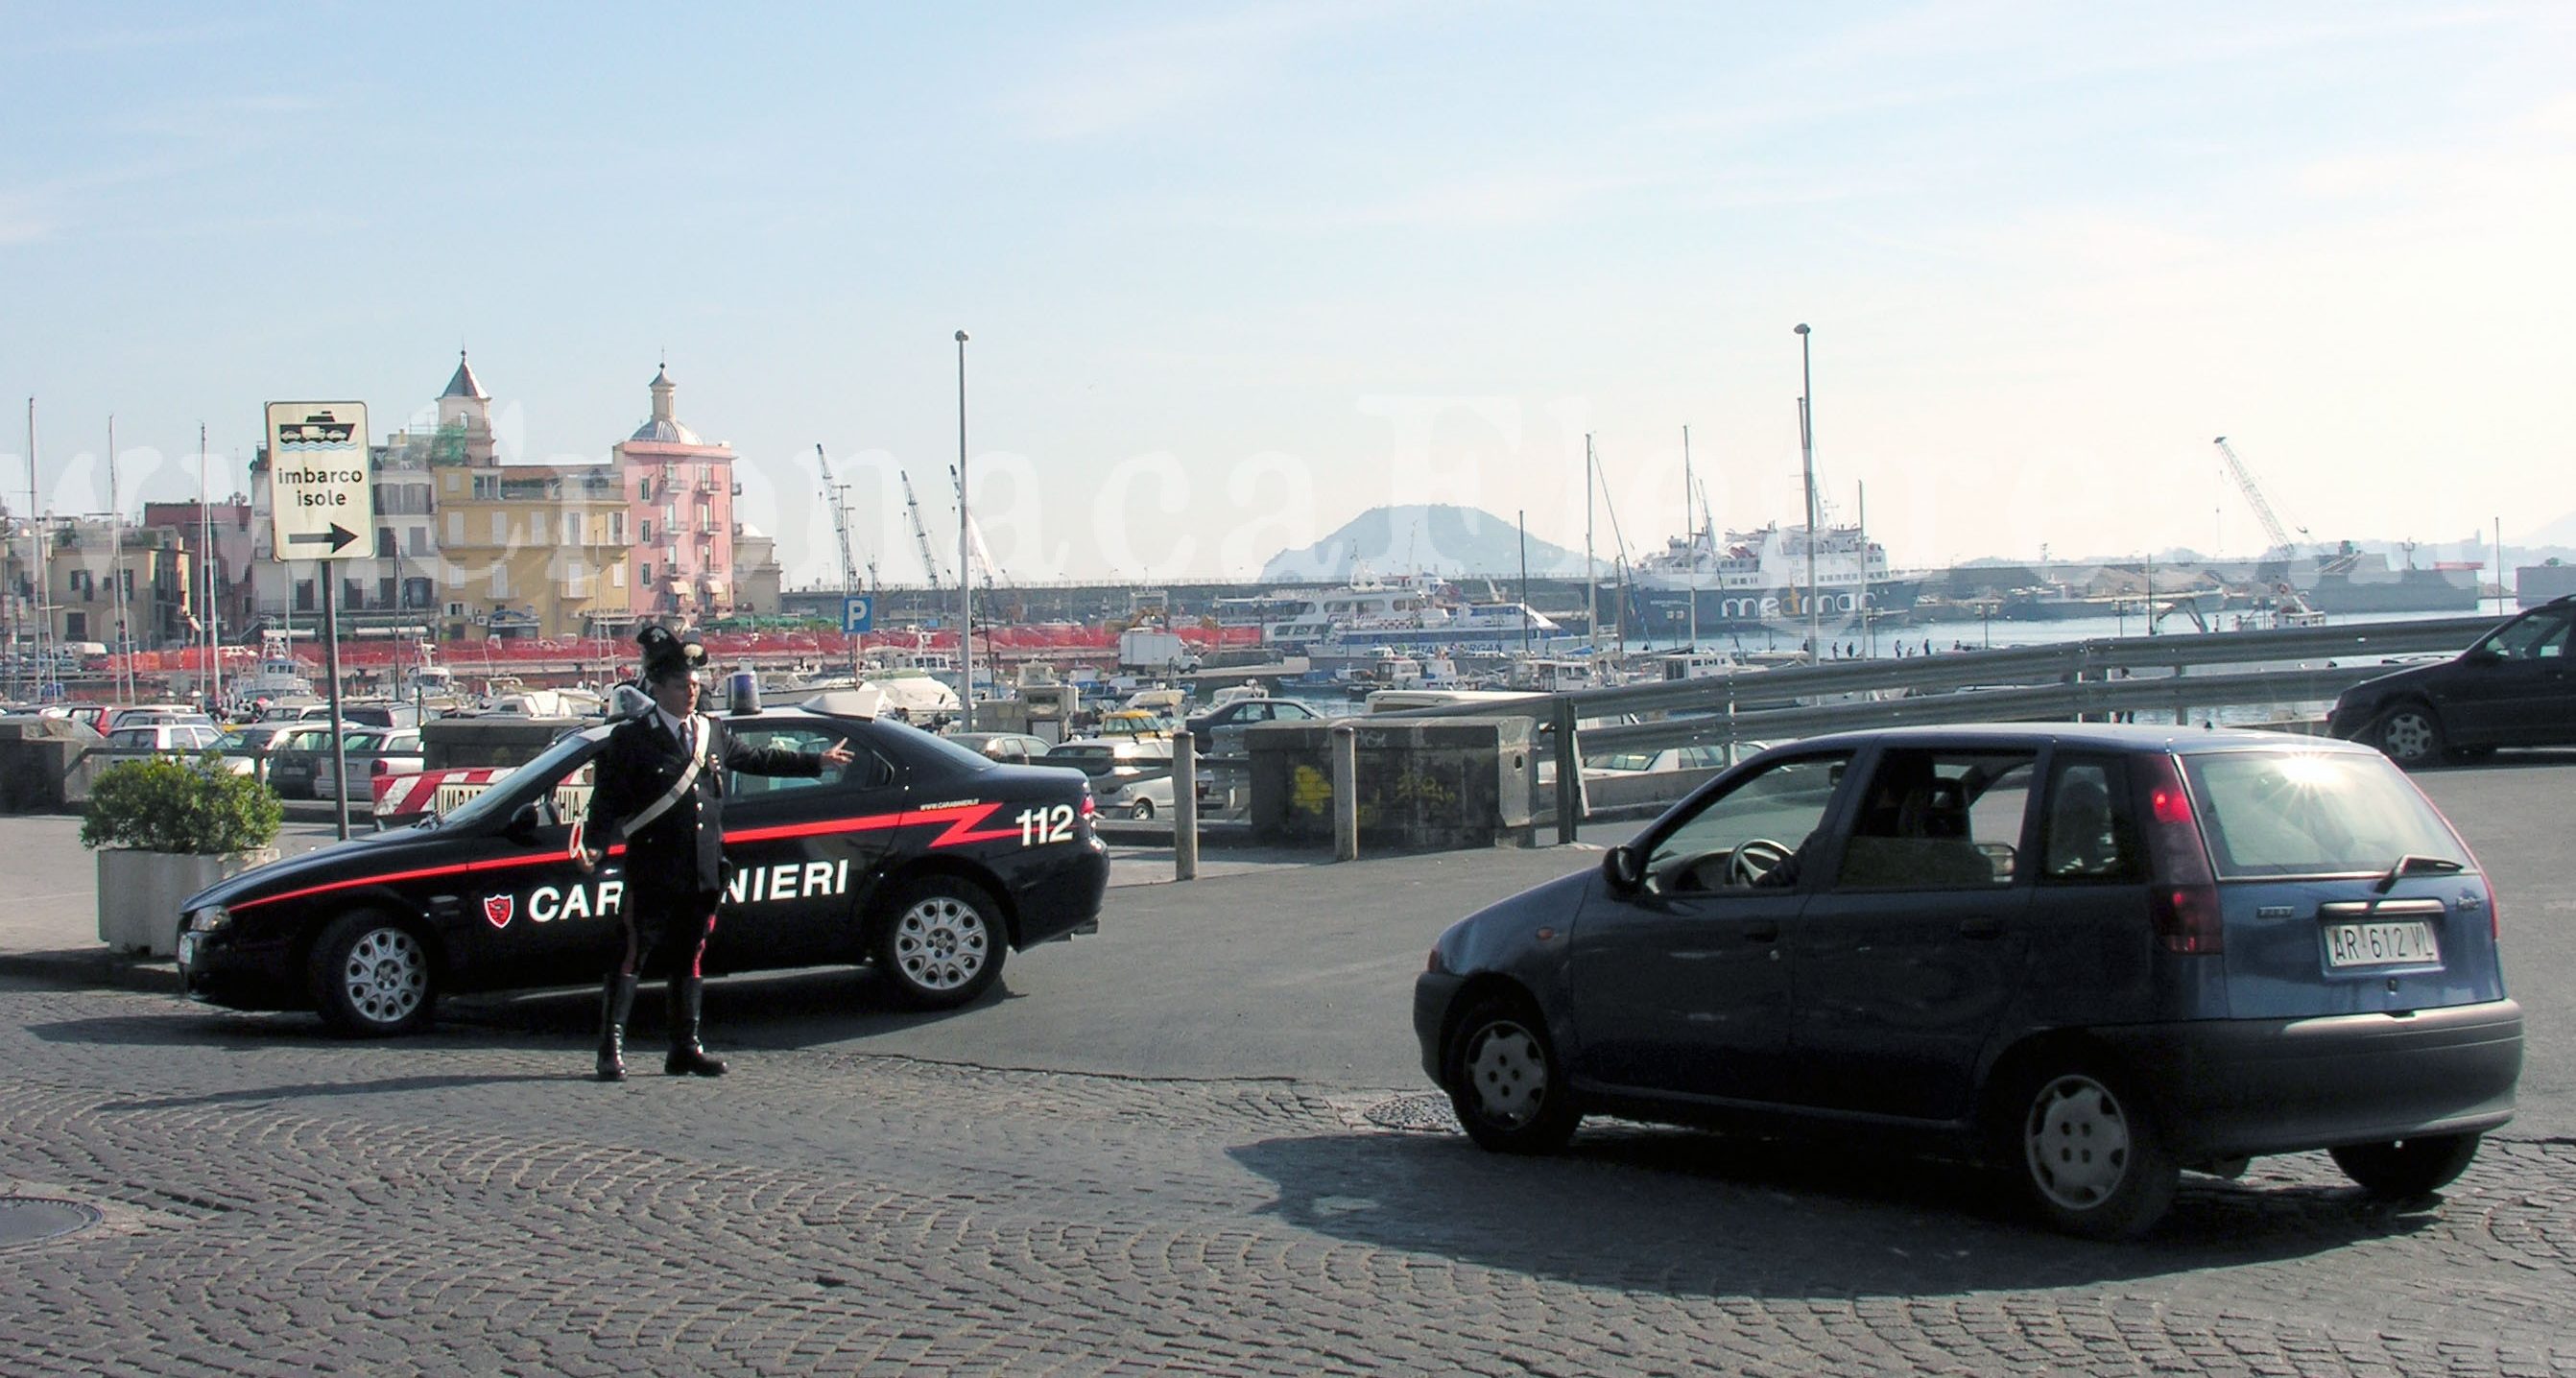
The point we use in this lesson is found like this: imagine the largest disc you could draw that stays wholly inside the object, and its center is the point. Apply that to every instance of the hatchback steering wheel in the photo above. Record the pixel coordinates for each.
(1753, 859)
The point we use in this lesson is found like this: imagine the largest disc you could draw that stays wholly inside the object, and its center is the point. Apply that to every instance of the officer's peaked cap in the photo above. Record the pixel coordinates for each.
(665, 653)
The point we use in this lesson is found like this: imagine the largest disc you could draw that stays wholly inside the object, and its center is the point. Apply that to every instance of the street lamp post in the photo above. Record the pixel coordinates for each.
(965, 581)
(1807, 453)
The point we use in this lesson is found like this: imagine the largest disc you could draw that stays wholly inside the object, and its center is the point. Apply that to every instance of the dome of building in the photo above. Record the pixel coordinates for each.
(663, 427)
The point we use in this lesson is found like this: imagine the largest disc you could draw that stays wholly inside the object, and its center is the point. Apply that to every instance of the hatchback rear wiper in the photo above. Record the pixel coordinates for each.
(2414, 865)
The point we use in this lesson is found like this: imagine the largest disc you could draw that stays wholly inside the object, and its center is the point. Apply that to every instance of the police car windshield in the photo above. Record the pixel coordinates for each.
(507, 794)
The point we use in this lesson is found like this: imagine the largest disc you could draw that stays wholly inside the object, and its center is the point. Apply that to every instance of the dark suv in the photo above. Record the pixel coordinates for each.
(2089, 955)
(2513, 688)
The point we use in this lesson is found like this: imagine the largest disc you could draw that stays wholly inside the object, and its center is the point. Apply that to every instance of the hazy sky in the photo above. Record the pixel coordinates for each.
(1235, 274)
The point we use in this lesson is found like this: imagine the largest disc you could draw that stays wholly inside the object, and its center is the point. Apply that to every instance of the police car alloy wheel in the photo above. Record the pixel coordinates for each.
(941, 943)
(372, 976)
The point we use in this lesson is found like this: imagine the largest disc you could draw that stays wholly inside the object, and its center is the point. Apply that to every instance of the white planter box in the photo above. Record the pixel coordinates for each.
(139, 893)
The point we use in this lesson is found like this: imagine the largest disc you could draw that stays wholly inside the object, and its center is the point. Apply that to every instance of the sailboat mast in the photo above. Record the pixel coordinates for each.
(1692, 536)
(1869, 625)
(1591, 581)
(116, 565)
(206, 576)
(36, 543)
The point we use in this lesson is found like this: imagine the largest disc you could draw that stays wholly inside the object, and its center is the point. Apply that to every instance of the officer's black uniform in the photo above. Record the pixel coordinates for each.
(674, 861)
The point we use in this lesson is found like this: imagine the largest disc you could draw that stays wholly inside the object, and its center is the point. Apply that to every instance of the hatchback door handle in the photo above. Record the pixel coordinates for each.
(1981, 927)
(1761, 932)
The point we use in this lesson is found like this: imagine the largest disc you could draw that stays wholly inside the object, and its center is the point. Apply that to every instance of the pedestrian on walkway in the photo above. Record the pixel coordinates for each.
(658, 788)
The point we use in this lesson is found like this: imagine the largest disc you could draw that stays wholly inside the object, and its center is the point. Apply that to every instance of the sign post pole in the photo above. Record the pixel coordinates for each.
(331, 667)
(322, 508)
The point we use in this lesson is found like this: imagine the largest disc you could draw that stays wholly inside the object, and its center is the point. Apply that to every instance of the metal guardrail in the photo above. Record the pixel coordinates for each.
(2078, 662)
(2072, 680)
(2177, 695)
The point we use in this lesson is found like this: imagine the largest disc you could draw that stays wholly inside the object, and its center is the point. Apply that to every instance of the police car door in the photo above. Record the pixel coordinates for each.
(533, 916)
(803, 850)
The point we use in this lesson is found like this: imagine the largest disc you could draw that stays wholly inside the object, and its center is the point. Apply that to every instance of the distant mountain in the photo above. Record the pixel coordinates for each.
(2559, 532)
(1436, 539)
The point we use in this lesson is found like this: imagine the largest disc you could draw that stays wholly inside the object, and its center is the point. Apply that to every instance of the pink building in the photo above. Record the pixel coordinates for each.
(680, 492)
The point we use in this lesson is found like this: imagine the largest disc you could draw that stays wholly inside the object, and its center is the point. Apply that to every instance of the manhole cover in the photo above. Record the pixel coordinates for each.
(27, 1219)
(1427, 1111)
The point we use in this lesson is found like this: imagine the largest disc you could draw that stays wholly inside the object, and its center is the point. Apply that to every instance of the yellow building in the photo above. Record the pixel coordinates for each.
(532, 550)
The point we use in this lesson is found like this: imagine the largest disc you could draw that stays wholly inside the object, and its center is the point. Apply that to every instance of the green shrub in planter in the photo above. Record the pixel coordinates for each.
(195, 807)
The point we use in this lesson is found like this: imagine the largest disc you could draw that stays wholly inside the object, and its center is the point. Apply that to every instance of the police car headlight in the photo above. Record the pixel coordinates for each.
(211, 919)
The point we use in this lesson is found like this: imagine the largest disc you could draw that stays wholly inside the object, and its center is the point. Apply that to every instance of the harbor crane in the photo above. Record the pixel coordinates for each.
(920, 533)
(838, 494)
(2273, 529)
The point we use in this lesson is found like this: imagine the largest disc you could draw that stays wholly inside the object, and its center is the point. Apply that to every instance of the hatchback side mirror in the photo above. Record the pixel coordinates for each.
(2484, 655)
(1623, 869)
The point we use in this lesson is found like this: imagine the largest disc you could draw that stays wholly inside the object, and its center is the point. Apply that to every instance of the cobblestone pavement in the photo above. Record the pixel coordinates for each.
(278, 1202)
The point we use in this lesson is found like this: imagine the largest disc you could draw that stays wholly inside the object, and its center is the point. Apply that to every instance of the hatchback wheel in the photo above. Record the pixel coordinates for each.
(1505, 1082)
(2410, 735)
(2407, 1167)
(372, 977)
(1142, 808)
(941, 942)
(2089, 1156)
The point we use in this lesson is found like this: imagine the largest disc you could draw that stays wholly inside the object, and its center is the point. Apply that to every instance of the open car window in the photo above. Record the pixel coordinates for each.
(1755, 835)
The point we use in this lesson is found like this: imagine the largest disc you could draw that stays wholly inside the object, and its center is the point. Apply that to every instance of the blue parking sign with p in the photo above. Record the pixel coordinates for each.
(858, 613)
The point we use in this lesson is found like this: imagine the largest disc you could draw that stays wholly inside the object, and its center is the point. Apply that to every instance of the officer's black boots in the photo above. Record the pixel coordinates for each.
(687, 1058)
(616, 1001)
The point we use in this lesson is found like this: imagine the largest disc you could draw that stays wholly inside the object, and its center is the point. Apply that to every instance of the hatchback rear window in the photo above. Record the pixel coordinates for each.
(2299, 813)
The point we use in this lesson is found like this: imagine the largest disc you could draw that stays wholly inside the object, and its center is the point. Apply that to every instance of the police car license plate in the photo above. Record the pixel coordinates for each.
(2406, 942)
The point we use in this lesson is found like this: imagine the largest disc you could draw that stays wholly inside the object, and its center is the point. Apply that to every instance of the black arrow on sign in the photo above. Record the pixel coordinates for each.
(339, 536)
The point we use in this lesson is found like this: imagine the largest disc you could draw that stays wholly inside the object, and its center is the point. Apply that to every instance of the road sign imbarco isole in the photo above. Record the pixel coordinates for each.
(321, 505)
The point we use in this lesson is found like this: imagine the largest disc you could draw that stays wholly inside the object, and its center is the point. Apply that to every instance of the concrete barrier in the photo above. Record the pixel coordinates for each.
(44, 765)
(1423, 785)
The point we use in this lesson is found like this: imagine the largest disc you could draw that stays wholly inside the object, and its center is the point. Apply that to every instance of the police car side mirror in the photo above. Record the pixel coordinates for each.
(522, 827)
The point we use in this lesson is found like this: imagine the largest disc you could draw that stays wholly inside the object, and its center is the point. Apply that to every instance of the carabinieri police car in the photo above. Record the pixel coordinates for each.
(922, 858)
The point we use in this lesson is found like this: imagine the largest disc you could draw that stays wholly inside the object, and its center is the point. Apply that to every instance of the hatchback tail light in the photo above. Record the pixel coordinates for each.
(380, 767)
(2182, 898)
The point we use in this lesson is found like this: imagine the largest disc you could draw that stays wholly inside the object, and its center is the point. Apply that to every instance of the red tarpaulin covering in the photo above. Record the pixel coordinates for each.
(469, 656)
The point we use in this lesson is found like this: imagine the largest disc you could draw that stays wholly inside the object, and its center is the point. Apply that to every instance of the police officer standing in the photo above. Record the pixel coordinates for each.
(658, 788)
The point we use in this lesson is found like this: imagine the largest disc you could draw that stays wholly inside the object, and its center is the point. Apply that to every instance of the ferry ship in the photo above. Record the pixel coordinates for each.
(1758, 579)
(1417, 610)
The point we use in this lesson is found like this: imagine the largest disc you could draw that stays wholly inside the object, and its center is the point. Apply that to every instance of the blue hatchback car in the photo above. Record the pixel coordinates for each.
(2092, 956)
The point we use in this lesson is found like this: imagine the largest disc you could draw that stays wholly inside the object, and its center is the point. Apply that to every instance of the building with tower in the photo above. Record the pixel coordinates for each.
(681, 492)
(524, 550)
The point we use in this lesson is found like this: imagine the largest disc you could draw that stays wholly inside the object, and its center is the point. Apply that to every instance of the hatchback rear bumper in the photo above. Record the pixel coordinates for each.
(2244, 1087)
